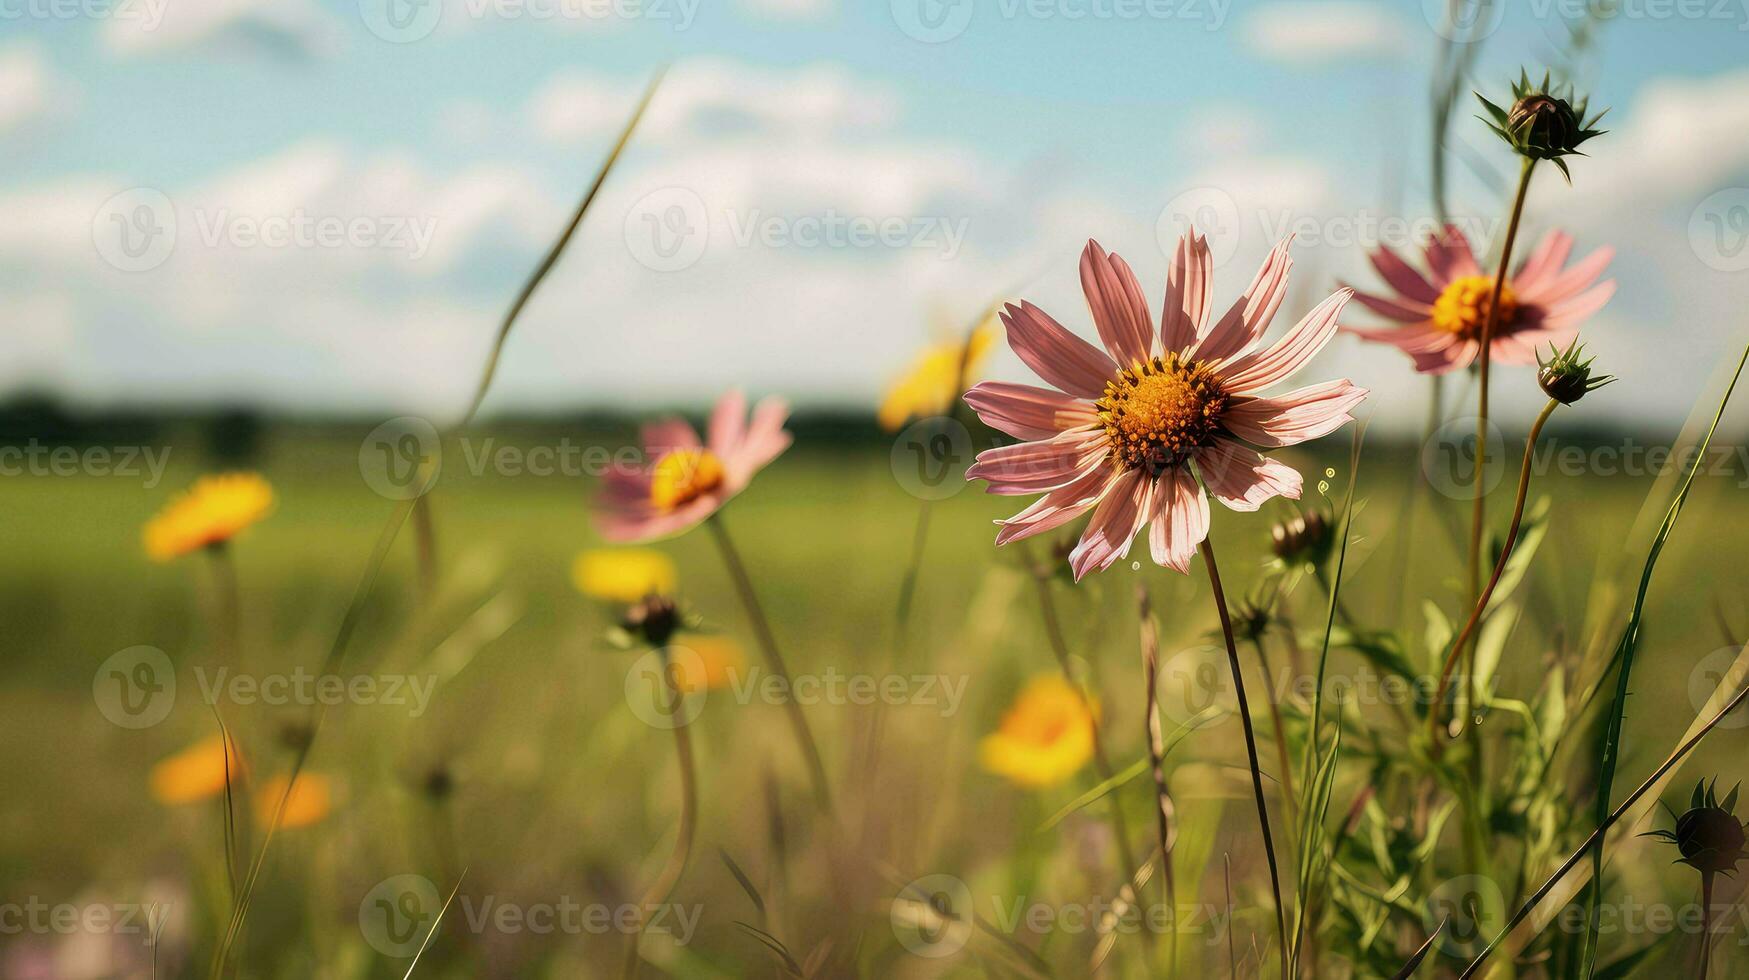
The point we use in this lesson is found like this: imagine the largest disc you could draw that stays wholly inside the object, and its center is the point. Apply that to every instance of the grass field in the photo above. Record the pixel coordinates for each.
(560, 796)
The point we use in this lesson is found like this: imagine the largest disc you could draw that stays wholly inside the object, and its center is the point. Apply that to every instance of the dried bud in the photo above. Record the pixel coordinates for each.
(1541, 125)
(653, 620)
(1305, 538)
(438, 782)
(1708, 833)
(1250, 620)
(1565, 377)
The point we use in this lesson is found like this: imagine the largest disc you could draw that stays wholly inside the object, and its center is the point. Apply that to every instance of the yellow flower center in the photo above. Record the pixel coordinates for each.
(684, 475)
(1160, 412)
(1464, 305)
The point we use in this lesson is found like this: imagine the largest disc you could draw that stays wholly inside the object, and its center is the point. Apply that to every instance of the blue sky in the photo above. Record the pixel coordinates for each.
(442, 165)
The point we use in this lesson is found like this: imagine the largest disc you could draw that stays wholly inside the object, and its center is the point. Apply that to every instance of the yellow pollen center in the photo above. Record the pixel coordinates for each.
(1464, 305)
(1160, 412)
(684, 475)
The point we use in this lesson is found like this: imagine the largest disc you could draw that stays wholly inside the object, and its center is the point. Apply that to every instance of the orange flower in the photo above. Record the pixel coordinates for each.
(704, 663)
(312, 798)
(210, 513)
(1045, 737)
(197, 772)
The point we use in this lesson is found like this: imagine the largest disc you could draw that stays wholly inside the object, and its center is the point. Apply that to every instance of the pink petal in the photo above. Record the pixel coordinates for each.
(1185, 313)
(1406, 311)
(1055, 354)
(1244, 323)
(1120, 311)
(766, 440)
(1573, 310)
(1113, 526)
(1295, 417)
(1570, 282)
(1545, 260)
(1401, 276)
(1242, 478)
(634, 525)
(1416, 339)
(1263, 368)
(1179, 520)
(1440, 360)
(666, 436)
(1449, 257)
(1036, 467)
(1028, 412)
(728, 423)
(1058, 507)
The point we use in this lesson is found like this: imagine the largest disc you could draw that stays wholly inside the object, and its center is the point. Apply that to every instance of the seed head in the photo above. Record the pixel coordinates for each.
(653, 620)
(1566, 375)
(1304, 538)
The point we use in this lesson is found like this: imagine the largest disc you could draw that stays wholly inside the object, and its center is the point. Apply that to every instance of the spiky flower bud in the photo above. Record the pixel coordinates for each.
(1304, 538)
(1565, 377)
(1708, 834)
(1541, 124)
(654, 620)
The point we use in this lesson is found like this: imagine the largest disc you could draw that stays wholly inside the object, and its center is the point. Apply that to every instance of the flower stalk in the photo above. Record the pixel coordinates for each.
(663, 886)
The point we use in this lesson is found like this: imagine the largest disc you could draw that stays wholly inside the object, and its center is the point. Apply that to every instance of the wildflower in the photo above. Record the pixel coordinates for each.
(686, 481)
(209, 514)
(1708, 834)
(624, 574)
(1540, 124)
(311, 800)
(713, 661)
(1566, 378)
(1303, 538)
(197, 772)
(1441, 314)
(930, 383)
(653, 620)
(1045, 737)
(1121, 433)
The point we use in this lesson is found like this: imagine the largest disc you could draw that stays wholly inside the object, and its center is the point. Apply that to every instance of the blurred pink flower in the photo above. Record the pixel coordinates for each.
(1441, 313)
(683, 480)
(1119, 436)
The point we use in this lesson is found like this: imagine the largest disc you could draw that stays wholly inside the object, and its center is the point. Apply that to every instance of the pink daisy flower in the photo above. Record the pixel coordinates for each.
(684, 481)
(1120, 435)
(1441, 314)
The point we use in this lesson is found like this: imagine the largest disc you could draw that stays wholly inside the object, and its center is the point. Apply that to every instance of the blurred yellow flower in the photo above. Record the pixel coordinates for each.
(936, 378)
(714, 659)
(624, 574)
(196, 773)
(210, 513)
(312, 797)
(1044, 737)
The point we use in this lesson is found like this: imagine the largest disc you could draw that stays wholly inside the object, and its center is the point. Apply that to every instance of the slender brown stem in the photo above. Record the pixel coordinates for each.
(1451, 659)
(1706, 924)
(1287, 773)
(1208, 558)
(1102, 762)
(1163, 810)
(1572, 861)
(664, 884)
(1490, 320)
(774, 660)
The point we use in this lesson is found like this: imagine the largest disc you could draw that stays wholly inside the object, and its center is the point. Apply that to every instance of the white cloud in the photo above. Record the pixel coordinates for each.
(24, 87)
(791, 9)
(277, 28)
(1317, 32)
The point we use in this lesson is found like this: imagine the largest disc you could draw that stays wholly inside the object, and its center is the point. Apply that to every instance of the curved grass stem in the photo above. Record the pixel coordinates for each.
(663, 886)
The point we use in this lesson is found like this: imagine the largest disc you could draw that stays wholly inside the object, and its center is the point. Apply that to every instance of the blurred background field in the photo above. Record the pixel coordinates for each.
(559, 789)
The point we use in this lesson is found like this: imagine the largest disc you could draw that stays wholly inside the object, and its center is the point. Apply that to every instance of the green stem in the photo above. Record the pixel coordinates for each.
(663, 886)
(227, 604)
(1706, 923)
(425, 546)
(1463, 639)
(1208, 557)
(774, 660)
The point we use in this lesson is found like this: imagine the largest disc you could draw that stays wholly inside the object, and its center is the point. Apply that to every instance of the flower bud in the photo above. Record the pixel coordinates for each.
(1304, 538)
(1541, 125)
(1708, 834)
(654, 620)
(1566, 378)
